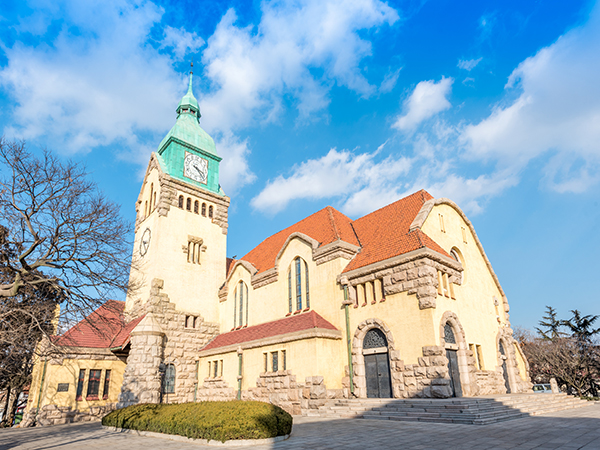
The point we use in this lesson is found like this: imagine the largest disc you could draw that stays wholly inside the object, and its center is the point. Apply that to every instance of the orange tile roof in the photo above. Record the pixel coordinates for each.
(381, 234)
(104, 328)
(384, 233)
(325, 226)
(305, 321)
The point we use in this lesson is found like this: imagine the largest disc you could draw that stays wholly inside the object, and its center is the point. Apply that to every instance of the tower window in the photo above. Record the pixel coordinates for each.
(194, 249)
(204, 209)
(210, 211)
(188, 204)
(196, 204)
(181, 201)
(154, 202)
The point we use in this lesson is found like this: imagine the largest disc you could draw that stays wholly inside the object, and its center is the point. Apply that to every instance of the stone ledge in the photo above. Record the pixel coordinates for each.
(212, 443)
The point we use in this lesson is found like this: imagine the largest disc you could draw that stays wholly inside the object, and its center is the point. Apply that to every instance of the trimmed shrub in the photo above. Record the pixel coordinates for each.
(219, 421)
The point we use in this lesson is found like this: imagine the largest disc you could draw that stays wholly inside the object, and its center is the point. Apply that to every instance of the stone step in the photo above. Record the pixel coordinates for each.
(481, 410)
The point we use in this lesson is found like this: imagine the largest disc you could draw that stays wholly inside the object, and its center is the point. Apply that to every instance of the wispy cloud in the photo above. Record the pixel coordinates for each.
(428, 99)
(468, 64)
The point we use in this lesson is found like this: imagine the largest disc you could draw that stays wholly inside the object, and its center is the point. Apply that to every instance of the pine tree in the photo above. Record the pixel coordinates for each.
(552, 324)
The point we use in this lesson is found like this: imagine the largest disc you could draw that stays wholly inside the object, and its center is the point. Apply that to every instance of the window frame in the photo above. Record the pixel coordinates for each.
(93, 388)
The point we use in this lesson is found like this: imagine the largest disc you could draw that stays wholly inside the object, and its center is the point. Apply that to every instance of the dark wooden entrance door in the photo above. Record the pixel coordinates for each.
(454, 373)
(377, 368)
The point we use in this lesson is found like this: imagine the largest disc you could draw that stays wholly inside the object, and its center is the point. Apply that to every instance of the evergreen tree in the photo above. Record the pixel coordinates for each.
(552, 324)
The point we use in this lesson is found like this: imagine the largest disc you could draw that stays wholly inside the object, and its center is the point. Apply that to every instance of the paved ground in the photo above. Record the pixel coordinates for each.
(572, 429)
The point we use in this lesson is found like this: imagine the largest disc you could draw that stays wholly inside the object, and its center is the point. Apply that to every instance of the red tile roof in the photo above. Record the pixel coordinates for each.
(325, 226)
(381, 235)
(104, 328)
(384, 233)
(304, 321)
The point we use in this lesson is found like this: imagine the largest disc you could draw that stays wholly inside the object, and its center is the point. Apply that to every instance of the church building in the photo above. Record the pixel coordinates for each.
(400, 303)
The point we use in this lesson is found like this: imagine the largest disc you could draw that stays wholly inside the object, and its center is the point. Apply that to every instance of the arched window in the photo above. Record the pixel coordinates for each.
(204, 209)
(196, 204)
(374, 339)
(154, 202)
(210, 211)
(298, 284)
(181, 201)
(449, 334)
(169, 380)
(151, 196)
(188, 204)
(240, 305)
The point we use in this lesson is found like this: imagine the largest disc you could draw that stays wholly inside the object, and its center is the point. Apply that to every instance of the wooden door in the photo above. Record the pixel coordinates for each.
(454, 372)
(377, 368)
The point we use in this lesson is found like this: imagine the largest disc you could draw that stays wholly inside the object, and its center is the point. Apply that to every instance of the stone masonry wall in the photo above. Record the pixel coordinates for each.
(183, 336)
(215, 389)
(59, 415)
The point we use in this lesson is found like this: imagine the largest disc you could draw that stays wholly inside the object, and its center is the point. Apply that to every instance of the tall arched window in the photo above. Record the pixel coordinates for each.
(169, 380)
(181, 201)
(188, 204)
(210, 211)
(196, 204)
(240, 305)
(298, 285)
(449, 334)
(204, 209)
(151, 195)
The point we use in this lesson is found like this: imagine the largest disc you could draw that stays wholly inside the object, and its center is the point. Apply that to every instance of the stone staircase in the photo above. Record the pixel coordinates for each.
(466, 410)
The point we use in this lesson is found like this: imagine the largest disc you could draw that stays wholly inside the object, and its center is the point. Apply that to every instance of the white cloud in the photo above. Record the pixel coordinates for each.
(427, 99)
(181, 41)
(234, 171)
(253, 68)
(556, 112)
(92, 87)
(343, 174)
(468, 64)
(389, 81)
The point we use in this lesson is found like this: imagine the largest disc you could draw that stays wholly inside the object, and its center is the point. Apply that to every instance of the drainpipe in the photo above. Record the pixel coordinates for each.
(347, 304)
(239, 378)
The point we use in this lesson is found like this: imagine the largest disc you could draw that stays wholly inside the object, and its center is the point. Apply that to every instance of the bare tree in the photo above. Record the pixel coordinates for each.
(572, 358)
(61, 242)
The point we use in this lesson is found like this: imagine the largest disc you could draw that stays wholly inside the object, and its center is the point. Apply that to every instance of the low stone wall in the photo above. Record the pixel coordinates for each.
(429, 378)
(58, 415)
(279, 388)
(490, 382)
(215, 390)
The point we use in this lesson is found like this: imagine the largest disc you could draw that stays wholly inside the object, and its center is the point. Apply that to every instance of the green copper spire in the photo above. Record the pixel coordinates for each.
(188, 138)
(188, 103)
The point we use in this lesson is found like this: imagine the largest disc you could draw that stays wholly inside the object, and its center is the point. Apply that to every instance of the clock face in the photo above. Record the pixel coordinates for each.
(195, 168)
(145, 242)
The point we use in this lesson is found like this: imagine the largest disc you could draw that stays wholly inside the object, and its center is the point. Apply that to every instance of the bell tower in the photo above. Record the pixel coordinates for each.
(181, 223)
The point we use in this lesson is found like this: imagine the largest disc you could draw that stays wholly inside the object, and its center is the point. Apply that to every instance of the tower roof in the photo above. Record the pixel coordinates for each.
(187, 127)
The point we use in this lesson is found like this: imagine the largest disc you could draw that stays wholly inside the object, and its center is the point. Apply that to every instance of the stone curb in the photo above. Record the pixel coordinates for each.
(212, 443)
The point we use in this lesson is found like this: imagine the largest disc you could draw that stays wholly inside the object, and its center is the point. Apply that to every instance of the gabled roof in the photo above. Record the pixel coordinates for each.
(300, 322)
(325, 226)
(104, 328)
(380, 235)
(385, 233)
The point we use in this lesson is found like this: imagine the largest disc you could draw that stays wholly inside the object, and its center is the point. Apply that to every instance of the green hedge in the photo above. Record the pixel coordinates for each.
(219, 421)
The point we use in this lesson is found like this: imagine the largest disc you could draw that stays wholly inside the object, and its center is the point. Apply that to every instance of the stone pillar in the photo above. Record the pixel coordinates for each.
(142, 378)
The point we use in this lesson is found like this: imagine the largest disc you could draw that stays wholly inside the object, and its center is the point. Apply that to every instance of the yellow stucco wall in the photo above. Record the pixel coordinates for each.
(68, 372)
(474, 304)
(304, 358)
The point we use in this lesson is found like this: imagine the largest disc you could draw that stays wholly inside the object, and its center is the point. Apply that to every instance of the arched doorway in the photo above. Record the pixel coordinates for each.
(504, 366)
(452, 356)
(377, 364)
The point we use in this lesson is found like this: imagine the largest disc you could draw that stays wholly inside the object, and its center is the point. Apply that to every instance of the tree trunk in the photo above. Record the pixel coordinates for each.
(12, 406)
(5, 422)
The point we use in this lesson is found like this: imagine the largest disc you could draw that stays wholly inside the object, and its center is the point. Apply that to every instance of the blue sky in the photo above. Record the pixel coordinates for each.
(351, 103)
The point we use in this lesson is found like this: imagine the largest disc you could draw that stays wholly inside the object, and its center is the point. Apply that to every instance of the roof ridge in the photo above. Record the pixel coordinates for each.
(332, 220)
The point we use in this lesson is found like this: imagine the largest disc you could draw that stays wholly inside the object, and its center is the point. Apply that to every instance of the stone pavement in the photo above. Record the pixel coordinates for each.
(572, 429)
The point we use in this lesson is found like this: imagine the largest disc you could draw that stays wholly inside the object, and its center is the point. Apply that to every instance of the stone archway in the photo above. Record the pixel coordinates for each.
(461, 366)
(358, 358)
(507, 365)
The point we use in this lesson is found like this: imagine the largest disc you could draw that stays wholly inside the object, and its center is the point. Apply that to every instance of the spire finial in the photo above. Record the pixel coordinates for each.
(192, 66)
